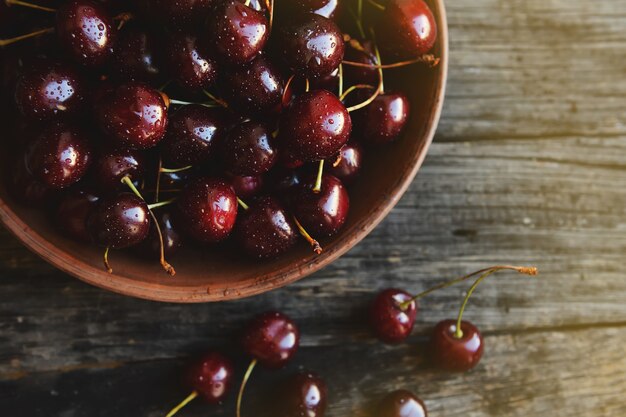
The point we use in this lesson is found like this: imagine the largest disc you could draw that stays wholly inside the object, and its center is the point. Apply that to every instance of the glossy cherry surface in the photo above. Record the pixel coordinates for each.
(24, 187)
(364, 55)
(119, 221)
(247, 187)
(72, 212)
(206, 210)
(315, 126)
(136, 56)
(211, 375)
(271, 338)
(85, 30)
(50, 90)
(133, 115)
(402, 403)
(237, 32)
(172, 239)
(390, 323)
(456, 354)
(311, 45)
(178, 14)
(266, 229)
(60, 156)
(325, 8)
(192, 135)
(385, 118)
(349, 164)
(321, 213)
(257, 87)
(249, 149)
(283, 180)
(406, 29)
(111, 166)
(189, 62)
(305, 395)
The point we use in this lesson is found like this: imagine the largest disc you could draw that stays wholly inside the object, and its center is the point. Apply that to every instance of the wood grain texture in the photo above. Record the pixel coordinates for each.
(529, 166)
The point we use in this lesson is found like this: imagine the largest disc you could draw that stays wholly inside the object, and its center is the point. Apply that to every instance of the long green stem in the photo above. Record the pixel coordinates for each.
(426, 58)
(317, 248)
(107, 266)
(340, 80)
(174, 170)
(161, 204)
(318, 180)
(242, 388)
(5, 42)
(242, 204)
(183, 403)
(29, 5)
(378, 6)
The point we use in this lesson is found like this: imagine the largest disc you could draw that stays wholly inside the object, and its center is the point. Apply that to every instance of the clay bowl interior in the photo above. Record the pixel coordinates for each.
(210, 274)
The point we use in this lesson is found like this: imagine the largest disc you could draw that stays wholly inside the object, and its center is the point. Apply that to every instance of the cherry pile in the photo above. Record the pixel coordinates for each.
(157, 123)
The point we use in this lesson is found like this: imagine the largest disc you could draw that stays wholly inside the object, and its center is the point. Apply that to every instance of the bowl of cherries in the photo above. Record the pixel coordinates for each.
(205, 150)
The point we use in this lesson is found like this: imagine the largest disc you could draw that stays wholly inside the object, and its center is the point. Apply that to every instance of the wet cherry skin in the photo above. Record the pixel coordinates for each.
(192, 135)
(266, 230)
(50, 90)
(248, 186)
(311, 45)
(206, 210)
(189, 62)
(402, 403)
(111, 166)
(406, 29)
(249, 149)
(325, 8)
(315, 126)
(136, 56)
(389, 322)
(60, 156)
(305, 395)
(172, 239)
(72, 212)
(271, 338)
(350, 163)
(119, 221)
(385, 118)
(321, 213)
(361, 75)
(452, 354)
(85, 30)
(211, 376)
(133, 115)
(237, 32)
(24, 187)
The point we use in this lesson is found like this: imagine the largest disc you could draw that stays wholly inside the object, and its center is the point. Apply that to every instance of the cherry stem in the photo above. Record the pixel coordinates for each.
(426, 58)
(30, 5)
(314, 243)
(243, 385)
(168, 268)
(215, 99)
(242, 204)
(247, 3)
(271, 9)
(358, 17)
(158, 181)
(174, 170)
(318, 180)
(340, 80)
(526, 270)
(107, 266)
(161, 204)
(123, 18)
(381, 86)
(286, 90)
(353, 88)
(378, 6)
(183, 403)
(339, 159)
(187, 103)
(359, 13)
(369, 100)
(307, 85)
(5, 42)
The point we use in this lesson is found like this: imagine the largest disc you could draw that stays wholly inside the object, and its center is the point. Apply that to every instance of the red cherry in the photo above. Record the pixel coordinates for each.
(72, 212)
(189, 62)
(361, 75)
(390, 322)
(406, 29)
(348, 163)
(249, 149)
(271, 338)
(211, 377)
(384, 119)
(305, 395)
(247, 187)
(402, 403)
(172, 239)
(136, 56)
(325, 8)
(24, 187)
(111, 166)
(179, 14)
(454, 353)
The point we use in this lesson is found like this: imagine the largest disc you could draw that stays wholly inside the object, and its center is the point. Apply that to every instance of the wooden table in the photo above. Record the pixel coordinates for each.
(528, 166)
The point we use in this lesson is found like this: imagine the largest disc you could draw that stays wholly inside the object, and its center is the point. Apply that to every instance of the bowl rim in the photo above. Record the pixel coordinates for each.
(197, 294)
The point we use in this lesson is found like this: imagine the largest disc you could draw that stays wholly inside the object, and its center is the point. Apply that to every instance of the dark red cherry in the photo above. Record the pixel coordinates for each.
(385, 118)
(60, 155)
(206, 210)
(133, 115)
(390, 322)
(361, 75)
(111, 166)
(119, 221)
(172, 240)
(325, 8)
(328, 82)
(249, 149)
(402, 403)
(136, 56)
(456, 354)
(24, 187)
(311, 45)
(266, 230)
(85, 30)
(179, 14)
(257, 87)
(211, 376)
(271, 338)
(72, 212)
(283, 180)
(305, 395)
(321, 213)
(347, 165)
(189, 62)
(315, 126)
(237, 32)
(192, 135)
(50, 90)
(406, 29)
(247, 187)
